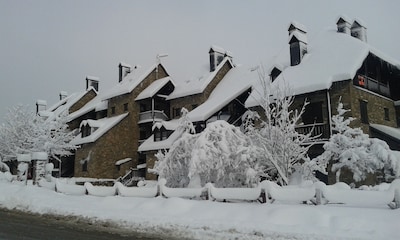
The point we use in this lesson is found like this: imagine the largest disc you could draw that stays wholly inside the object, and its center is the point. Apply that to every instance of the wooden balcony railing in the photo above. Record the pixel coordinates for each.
(149, 115)
(318, 129)
(372, 84)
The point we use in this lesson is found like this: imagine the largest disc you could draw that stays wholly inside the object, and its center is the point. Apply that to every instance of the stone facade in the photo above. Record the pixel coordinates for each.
(105, 152)
(119, 142)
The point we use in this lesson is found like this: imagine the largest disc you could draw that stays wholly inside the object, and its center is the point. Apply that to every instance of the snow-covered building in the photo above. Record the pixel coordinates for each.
(338, 63)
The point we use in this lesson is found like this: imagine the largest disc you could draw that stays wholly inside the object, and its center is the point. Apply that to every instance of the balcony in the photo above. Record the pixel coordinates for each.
(372, 85)
(318, 129)
(148, 116)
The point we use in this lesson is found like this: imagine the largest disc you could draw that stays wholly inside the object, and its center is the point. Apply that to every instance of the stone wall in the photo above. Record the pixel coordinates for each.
(108, 149)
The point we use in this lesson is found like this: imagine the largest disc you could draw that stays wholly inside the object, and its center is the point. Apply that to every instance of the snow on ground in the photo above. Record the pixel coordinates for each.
(201, 219)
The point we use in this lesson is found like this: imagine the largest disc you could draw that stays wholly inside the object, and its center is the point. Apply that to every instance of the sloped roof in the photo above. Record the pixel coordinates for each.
(390, 131)
(97, 104)
(103, 126)
(154, 87)
(150, 144)
(235, 82)
(130, 82)
(331, 57)
(63, 105)
(197, 85)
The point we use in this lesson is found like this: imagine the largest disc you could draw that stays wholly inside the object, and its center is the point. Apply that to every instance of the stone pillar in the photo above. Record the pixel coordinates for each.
(39, 166)
(23, 167)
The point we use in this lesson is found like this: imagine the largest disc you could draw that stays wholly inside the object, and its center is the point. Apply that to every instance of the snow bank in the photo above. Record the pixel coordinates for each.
(70, 189)
(291, 194)
(181, 192)
(6, 176)
(244, 194)
(342, 193)
(145, 192)
(45, 184)
(100, 191)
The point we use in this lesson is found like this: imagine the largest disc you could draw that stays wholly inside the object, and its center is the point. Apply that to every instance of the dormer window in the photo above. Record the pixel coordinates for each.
(274, 73)
(161, 134)
(86, 130)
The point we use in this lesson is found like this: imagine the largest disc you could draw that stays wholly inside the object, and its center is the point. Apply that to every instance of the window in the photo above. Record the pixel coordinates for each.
(387, 114)
(125, 107)
(85, 131)
(84, 166)
(177, 112)
(364, 111)
(112, 110)
(157, 136)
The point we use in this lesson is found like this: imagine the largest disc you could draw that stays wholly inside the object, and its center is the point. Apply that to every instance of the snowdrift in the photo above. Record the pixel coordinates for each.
(244, 194)
(70, 189)
(100, 191)
(147, 192)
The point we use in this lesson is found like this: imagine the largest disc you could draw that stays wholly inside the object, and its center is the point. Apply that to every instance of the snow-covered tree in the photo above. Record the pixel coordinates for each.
(351, 149)
(25, 132)
(173, 165)
(280, 146)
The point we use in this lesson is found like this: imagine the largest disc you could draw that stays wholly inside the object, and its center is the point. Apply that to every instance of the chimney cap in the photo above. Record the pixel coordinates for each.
(358, 23)
(122, 64)
(63, 93)
(92, 78)
(296, 25)
(41, 102)
(217, 49)
(343, 19)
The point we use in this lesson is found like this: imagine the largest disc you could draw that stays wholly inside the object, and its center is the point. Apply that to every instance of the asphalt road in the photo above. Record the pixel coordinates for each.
(24, 226)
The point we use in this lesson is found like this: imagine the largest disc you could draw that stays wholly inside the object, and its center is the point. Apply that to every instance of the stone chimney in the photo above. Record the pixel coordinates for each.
(217, 54)
(93, 82)
(359, 31)
(297, 42)
(40, 105)
(63, 95)
(343, 25)
(124, 69)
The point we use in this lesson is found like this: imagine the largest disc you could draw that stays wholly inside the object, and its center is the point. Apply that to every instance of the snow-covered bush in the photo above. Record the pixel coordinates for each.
(3, 166)
(351, 149)
(221, 154)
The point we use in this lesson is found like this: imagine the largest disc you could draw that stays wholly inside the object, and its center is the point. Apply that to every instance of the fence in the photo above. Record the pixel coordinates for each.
(266, 192)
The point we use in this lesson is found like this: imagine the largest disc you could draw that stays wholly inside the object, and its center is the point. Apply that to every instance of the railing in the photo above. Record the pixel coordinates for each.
(372, 84)
(317, 129)
(148, 116)
(132, 176)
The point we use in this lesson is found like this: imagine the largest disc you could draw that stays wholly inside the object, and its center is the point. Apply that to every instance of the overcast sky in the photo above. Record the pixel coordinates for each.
(49, 46)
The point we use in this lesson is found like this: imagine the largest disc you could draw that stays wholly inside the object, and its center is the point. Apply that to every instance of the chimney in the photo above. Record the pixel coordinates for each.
(359, 31)
(124, 69)
(217, 54)
(92, 82)
(297, 42)
(40, 105)
(343, 25)
(63, 95)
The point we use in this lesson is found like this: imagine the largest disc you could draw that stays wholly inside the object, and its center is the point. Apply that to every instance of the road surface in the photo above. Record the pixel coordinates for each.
(23, 226)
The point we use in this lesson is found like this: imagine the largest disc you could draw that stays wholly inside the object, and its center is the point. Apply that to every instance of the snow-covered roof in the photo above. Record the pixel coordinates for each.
(197, 85)
(168, 125)
(122, 64)
(97, 104)
(297, 25)
(154, 87)
(390, 131)
(235, 82)
(343, 18)
(150, 144)
(64, 104)
(93, 78)
(130, 82)
(122, 161)
(103, 126)
(331, 57)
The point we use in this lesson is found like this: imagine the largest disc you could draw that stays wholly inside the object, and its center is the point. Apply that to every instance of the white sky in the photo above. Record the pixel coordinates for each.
(51, 46)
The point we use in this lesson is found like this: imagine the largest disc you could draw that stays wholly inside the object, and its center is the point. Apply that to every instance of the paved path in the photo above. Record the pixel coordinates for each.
(23, 226)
